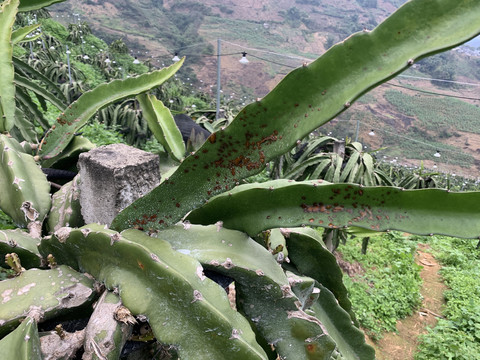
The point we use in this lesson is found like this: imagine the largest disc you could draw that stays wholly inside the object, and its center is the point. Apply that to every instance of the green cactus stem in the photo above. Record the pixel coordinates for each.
(23, 244)
(8, 11)
(184, 308)
(286, 203)
(23, 343)
(25, 190)
(310, 256)
(161, 122)
(104, 334)
(350, 340)
(43, 294)
(305, 99)
(79, 112)
(66, 209)
(70, 154)
(263, 291)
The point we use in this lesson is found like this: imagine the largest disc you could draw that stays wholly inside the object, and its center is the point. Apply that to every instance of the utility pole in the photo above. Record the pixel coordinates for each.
(356, 132)
(68, 64)
(217, 116)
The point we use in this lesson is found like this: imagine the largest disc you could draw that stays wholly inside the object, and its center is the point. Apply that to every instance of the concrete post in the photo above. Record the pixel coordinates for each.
(112, 177)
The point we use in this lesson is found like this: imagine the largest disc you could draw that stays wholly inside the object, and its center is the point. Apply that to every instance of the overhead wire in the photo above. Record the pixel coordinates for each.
(440, 80)
(267, 51)
(273, 62)
(430, 92)
(401, 136)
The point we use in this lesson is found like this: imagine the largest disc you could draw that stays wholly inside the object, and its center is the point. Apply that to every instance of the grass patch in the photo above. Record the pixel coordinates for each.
(389, 289)
(248, 31)
(424, 148)
(99, 134)
(436, 112)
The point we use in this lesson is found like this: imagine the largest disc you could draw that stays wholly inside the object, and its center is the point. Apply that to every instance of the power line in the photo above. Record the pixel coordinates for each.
(403, 136)
(431, 92)
(273, 62)
(267, 52)
(212, 55)
(188, 46)
(440, 80)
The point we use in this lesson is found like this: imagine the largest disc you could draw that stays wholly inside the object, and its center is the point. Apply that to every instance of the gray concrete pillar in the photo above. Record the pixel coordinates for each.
(112, 177)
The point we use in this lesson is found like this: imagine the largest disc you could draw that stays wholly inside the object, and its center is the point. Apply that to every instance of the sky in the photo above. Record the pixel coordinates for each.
(474, 42)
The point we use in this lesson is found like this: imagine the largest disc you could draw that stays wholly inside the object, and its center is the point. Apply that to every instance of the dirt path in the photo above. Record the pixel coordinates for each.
(402, 345)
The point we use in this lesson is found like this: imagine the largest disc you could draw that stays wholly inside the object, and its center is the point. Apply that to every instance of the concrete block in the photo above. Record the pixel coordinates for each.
(112, 177)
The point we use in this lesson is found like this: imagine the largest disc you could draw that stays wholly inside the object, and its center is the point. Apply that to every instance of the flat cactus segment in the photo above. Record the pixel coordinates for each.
(184, 308)
(25, 246)
(263, 291)
(25, 190)
(66, 209)
(30, 5)
(23, 343)
(43, 294)
(286, 203)
(8, 11)
(161, 123)
(79, 112)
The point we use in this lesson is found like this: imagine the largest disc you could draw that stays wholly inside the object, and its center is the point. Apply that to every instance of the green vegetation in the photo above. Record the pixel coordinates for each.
(386, 285)
(440, 66)
(457, 336)
(369, 4)
(437, 112)
(425, 147)
(99, 134)
(6, 221)
(438, 118)
(242, 29)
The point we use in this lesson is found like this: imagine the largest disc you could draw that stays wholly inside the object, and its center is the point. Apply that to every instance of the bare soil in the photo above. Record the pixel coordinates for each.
(402, 345)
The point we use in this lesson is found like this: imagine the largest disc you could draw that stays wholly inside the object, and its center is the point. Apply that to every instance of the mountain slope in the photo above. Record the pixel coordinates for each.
(281, 35)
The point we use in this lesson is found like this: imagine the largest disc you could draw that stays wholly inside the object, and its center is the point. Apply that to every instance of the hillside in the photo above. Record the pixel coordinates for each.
(281, 35)
(158, 29)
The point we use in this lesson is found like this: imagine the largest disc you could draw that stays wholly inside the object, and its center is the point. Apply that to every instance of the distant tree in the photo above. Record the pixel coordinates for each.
(330, 41)
(439, 67)
(293, 16)
(119, 47)
(372, 22)
(308, 2)
(371, 4)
